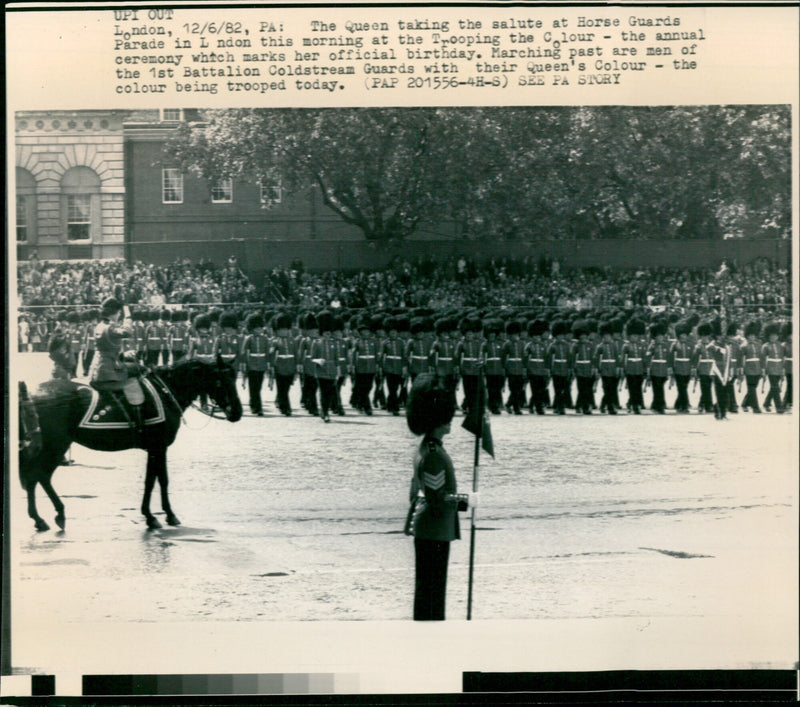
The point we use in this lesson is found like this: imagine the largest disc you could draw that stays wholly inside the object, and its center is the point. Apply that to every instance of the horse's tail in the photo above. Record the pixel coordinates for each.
(30, 434)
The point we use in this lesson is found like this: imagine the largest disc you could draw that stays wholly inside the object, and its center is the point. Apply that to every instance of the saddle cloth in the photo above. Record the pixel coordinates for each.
(104, 411)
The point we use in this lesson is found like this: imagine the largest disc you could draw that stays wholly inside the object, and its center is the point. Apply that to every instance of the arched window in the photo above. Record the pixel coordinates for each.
(80, 204)
(26, 206)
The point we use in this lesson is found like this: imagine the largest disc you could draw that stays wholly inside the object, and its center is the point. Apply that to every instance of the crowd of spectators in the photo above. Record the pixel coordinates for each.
(454, 283)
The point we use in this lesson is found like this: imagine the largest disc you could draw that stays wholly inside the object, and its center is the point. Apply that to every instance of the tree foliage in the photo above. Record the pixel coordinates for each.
(516, 172)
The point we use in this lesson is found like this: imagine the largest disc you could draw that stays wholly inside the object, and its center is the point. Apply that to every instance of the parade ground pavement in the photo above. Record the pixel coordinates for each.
(602, 543)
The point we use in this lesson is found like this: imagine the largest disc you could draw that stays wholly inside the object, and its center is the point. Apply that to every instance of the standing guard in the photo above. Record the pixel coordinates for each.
(442, 356)
(306, 366)
(75, 337)
(737, 366)
(92, 317)
(417, 348)
(156, 337)
(722, 368)
(786, 338)
(324, 355)
(178, 341)
(364, 364)
(535, 359)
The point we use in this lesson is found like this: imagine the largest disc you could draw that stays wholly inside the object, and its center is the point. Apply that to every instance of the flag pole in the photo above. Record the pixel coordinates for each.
(480, 405)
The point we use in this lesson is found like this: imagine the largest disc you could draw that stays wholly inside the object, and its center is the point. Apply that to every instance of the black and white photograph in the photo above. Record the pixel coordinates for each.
(317, 390)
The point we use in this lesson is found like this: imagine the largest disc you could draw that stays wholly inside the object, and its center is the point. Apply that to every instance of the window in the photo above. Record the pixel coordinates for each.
(22, 219)
(270, 194)
(172, 114)
(80, 204)
(79, 217)
(171, 186)
(222, 192)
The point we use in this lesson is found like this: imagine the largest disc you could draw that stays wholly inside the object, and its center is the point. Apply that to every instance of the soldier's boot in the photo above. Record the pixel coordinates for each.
(138, 421)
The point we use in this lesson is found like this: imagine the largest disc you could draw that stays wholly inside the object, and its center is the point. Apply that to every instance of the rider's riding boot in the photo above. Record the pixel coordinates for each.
(138, 420)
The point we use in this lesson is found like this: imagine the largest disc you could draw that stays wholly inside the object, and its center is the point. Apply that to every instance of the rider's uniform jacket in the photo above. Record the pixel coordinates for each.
(107, 367)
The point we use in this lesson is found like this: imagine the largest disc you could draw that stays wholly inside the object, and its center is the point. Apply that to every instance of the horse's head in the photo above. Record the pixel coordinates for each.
(223, 389)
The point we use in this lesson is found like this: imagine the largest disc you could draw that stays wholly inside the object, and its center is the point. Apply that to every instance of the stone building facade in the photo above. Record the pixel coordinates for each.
(70, 184)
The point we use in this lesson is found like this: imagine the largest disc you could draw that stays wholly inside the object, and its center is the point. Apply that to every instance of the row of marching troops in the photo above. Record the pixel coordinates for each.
(382, 352)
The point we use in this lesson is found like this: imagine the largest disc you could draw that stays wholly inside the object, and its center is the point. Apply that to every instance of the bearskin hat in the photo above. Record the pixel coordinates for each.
(254, 321)
(228, 320)
(443, 325)
(429, 405)
(658, 329)
(636, 326)
(110, 307)
(324, 321)
(401, 323)
(786, 330)
(202, 321)
(165, 314)
(704, 329)
(592, 325)
(693, 320)
(682, 327)
(513, 327)
(579, 328)
(376, 322)
(606, 328)
(559, 327)
(416, 325)
(772, 328)
(537, 327)
(733, 327)
(282, 320)
(493, 326)
(752, 328)
(57, 341)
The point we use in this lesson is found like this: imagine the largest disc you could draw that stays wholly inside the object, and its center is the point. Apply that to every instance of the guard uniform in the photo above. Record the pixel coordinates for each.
(657, 366)
(559, 365)
(495, 374)
(324, 356)
(774, 366)
(679, 363)
(608, 364)
(582, 359)
(392, 361)
(535, 359)
(178, 340)
(469, 360)
(155, 339)
(753, 370)
(786, 336)
(701, 363)
(283, 361)
(443, 356)
(633, 353)
(364, 364)
(513, 350)
(255, 349)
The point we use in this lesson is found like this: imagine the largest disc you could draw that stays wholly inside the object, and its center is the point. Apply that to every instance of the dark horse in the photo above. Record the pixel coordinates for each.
(67, 412)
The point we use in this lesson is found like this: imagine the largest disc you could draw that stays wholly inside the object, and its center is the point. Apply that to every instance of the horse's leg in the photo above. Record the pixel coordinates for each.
(163, 482)
(30, 488)
(47, 485)
(149, 482)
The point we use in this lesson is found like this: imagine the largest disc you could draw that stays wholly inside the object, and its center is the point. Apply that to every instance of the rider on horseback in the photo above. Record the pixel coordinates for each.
(110, 369)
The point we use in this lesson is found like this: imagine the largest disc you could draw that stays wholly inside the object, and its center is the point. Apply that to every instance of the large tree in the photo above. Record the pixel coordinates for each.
(516, 172)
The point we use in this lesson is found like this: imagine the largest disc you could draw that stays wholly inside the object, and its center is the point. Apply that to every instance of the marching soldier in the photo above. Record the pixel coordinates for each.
(228, 342)
(255, 349)
(442, 356)
(379, 395)
(178, 338)
(343, 362)
(701, 363)
(202, 346)
(786, 338)
(753, 371)
(495, 374)
(732, 340)
(364, 364)
(608, 364)
(535, 359)
(392, 361)
(75, 337)
(469, 359)
(558, 362)
(139, 337)
(583, 366)
(773, 363)
(679, 364)
(306, 367)
(283, 360)
(633, 352)
(513, 366)
(723, 369)
(417, 348)
(657, 365)
(88, 348)
(156, 337)
(324, 355)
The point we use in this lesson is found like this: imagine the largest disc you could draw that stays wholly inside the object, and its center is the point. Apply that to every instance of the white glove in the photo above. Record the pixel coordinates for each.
(473, 499)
